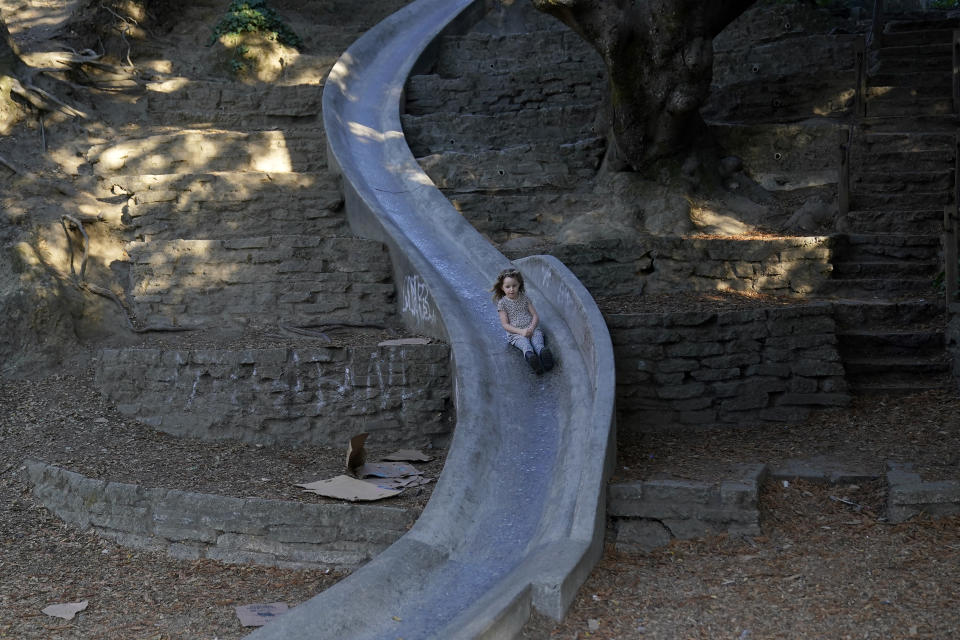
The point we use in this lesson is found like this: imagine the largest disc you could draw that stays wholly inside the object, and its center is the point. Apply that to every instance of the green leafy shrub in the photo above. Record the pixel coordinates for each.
(254, 16)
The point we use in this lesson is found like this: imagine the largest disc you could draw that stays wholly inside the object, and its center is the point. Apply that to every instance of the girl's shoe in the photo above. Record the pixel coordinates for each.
(534, 361)
(546, 359)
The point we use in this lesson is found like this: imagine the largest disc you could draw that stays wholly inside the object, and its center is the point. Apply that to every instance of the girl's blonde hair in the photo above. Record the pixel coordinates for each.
(497, 289)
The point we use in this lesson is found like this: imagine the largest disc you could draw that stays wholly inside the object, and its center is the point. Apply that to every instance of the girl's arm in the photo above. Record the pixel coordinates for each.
(528, 332)
(509, 328)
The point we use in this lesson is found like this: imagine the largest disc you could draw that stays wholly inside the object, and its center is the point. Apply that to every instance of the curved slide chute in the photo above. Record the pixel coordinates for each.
(517, 519)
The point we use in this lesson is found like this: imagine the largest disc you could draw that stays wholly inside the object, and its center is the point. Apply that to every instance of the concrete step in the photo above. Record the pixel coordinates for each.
(920, 313)
(880, 288)
(557, 85)
(897, 101)
(182, 100)
(928, 221)
(881, 343)
(900, 201)
(921, 161)
(928, 20)
(288, 390)
(908, 142)
(915, 35)
(204, 150)
(906, 180)
(935, 81)
(897, 383)
(903, 366)
(862, 247)
(260, 280)
(468, 133)
(880, 270)
(526, 166)
(915, 58)
(228, 204)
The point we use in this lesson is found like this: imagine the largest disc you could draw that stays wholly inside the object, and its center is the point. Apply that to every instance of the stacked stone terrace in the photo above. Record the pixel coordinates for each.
(236, 233)
(505, 124)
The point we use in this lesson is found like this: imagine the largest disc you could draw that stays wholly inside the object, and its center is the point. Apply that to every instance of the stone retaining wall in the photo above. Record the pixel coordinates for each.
(794, 266)
(318, 395)
(219, 205)
(234, 530)
(295, 279)
(710, 368)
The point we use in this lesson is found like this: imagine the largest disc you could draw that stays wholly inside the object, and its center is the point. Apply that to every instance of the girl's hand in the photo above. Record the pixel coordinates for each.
(528, 332)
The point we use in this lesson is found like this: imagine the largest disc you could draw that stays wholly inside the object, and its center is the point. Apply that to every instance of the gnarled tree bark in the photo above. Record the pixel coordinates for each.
(659, 60)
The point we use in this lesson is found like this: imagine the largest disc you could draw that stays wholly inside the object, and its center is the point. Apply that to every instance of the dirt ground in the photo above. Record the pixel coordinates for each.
(820, 569)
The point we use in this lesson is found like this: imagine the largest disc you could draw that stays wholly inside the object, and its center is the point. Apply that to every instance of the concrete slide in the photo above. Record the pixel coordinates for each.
(516, 520)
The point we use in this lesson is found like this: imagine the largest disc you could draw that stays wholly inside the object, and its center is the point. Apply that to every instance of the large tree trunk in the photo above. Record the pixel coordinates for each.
(10, 61)
(659, 59)
(10, 67)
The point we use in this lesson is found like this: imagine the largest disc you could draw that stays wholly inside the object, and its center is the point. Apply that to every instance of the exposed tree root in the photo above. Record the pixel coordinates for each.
(81, 281)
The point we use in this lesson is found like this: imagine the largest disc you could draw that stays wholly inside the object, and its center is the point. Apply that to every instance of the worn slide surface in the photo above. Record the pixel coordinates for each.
(517, 517)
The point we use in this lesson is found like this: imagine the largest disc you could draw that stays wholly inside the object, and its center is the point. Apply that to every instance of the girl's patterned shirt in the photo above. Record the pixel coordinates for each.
(518, 311)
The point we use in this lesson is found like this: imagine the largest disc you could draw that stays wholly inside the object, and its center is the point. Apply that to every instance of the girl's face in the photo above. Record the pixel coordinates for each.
(511, 287)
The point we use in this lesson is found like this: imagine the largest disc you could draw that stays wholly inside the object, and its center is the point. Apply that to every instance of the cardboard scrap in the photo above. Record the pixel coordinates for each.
(257, 615)
(399, 342)
(386, 470)
(399, 483)
(346, 488)
(65, 610)
(408, 455)
(356, 454)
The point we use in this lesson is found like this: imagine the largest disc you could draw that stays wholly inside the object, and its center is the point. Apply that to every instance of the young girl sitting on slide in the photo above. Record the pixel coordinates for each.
(519, 319)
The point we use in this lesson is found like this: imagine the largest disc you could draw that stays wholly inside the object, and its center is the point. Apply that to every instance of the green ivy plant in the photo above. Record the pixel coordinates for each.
(254, 16)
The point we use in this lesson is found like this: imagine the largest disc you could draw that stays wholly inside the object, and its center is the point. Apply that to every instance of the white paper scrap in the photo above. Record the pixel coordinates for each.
(65, 610)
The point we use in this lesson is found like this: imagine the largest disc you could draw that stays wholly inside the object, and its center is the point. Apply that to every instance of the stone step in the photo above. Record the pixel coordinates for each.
(468, 133)
(182, 100)
(484, 53)
(289, 391)
(557, 85)
(900, 201)
(204, 150)
(229, 204)
(927, 313)
(526, 166)
(294, 279)
(928, 221)
(879, 270)
(890, 344)
(906, 180)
